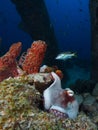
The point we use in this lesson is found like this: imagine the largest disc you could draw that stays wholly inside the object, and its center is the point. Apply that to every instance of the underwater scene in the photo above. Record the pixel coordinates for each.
(48, 65)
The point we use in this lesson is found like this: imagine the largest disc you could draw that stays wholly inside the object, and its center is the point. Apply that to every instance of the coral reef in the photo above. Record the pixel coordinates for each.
(8, 65)
(34, 57)
(41, 80)
(19, 109)
(23, 97)
(30, 61)
(48, 69)
(88, 101)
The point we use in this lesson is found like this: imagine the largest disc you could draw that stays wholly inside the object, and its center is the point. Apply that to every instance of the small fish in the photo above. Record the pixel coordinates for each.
(66, 55)
(22, 59)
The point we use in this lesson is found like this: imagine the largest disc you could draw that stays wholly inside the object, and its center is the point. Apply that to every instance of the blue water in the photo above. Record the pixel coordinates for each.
(9, 30)
(71, 22)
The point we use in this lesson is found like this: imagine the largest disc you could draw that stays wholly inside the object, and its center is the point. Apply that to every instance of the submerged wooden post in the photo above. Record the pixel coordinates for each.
(36, 22)
(94, 32)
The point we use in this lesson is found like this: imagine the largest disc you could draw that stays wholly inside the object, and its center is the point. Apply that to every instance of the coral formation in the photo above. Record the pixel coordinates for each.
(30, 61)
(8, 65)
(19, 109)
(34, 57)
(15, 50)
(41, 80)
(23, 96)
(48, 69)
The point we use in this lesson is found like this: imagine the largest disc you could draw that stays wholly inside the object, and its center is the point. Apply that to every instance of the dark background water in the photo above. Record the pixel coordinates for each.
(71, 22)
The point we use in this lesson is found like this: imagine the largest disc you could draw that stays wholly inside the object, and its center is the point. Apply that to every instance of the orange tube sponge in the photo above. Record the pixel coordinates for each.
(34, 57)
(15, 49)
(8, 66)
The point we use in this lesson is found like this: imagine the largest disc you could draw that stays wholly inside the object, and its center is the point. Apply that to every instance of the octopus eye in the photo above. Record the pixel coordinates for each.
(70, 93)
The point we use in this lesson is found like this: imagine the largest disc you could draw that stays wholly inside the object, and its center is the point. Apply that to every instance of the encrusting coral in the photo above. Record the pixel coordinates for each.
(48, 69)
(19, 109)
(8, 65)
(34, 57)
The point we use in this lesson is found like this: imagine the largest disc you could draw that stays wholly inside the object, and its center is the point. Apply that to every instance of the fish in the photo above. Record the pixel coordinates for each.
(66, 55)
(22, 59)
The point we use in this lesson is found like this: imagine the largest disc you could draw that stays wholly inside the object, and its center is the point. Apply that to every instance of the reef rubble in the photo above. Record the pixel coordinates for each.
(20, 108)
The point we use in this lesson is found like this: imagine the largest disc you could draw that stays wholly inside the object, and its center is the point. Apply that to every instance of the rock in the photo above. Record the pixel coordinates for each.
(79, 98)
(95, 90)
(41, 81)
(89, 104)
(83, 86)
(23, 100)
(89, 100)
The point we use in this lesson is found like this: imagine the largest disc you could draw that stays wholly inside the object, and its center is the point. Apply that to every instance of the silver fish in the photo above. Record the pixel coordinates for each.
(66, 55)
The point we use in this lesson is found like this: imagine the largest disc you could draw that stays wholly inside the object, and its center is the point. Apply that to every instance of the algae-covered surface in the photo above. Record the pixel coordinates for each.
(19, 109)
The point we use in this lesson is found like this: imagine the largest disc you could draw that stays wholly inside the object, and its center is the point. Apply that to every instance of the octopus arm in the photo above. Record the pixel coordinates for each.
(52, 92)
